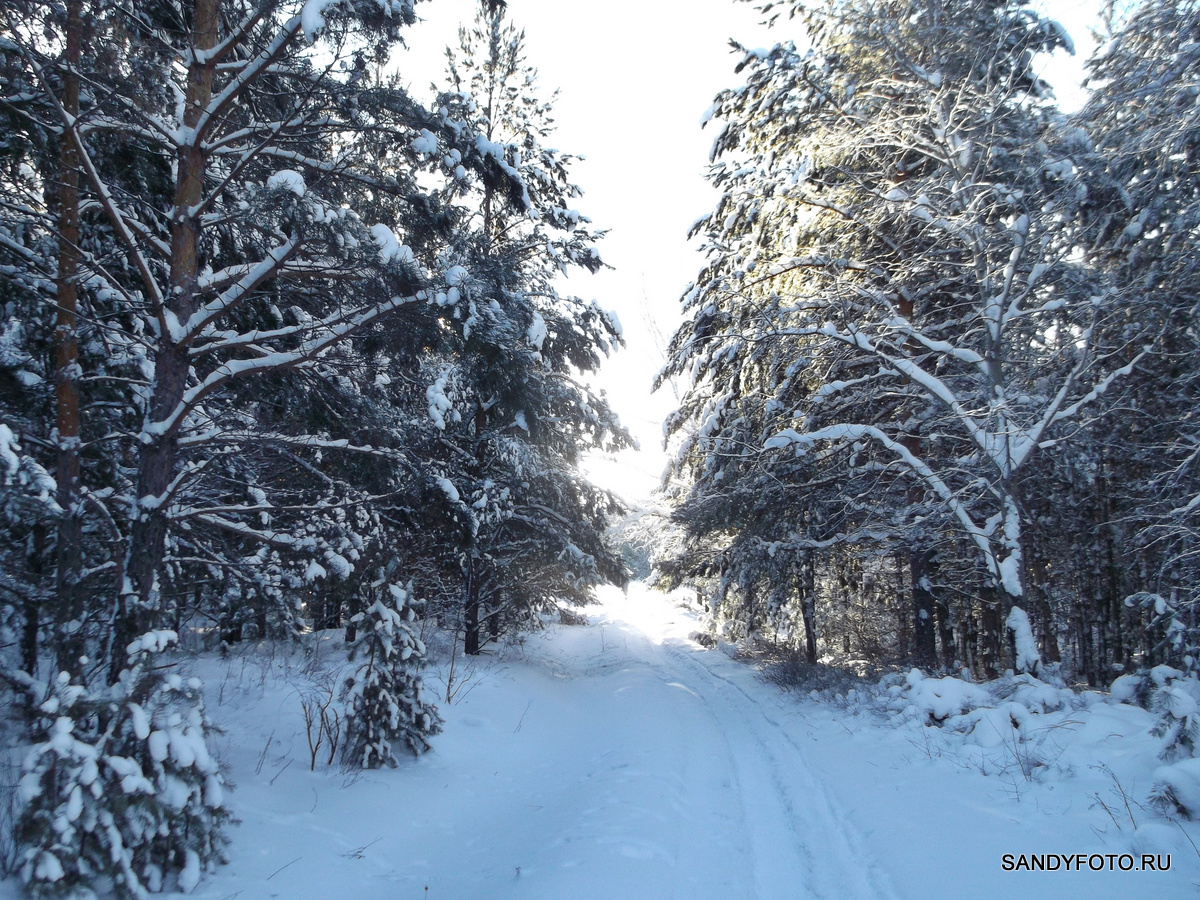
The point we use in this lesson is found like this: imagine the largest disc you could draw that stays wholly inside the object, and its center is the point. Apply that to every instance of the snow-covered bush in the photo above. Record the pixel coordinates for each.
(1169, 628)
(1131, 689)
(1005, 724)
(1176, 789)
(1174, 697)
(384, 698)
(120, 790)
(937, 699)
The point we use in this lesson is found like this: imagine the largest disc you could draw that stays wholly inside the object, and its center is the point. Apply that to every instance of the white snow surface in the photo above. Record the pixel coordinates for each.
(425, 143)
(448, 489)
(390, 247)
(537, 332)
(622, 761)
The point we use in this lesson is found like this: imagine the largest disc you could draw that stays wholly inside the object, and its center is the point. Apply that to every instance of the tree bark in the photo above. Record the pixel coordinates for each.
(160, 448)
(806, 582)
(471, 642)
(994, 606)
(494, 623)
(922, 569)
(945, 627)
(69, 646)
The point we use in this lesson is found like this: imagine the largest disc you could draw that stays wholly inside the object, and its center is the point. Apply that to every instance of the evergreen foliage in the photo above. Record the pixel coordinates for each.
(262, 312)
(512, 413)
(119, 784)
(904, 367)
(384, 698)
(1142, 229)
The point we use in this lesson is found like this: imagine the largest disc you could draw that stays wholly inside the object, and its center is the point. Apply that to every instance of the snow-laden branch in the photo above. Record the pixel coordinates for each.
(236, 35)
(980, 535)
(112, 210)
(337, 328)
(253, 69)
(232, 296)
(933, 386)
(272, 538)
(298, 442)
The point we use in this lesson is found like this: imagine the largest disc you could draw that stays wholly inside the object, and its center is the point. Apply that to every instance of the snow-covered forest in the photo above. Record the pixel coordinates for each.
(294, 365)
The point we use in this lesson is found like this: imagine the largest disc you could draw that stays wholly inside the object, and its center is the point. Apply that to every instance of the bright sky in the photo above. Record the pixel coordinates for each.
(635, 77)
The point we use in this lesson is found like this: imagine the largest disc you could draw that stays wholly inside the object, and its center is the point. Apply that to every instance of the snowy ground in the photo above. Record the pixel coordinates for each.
(623, 761)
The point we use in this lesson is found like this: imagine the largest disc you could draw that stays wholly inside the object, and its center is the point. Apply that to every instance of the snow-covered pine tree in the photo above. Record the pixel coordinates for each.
(385, 701)
(296, 227)
(120, 785)
(1143, 229)
(892, 249)
(53, 261)
(510, 413)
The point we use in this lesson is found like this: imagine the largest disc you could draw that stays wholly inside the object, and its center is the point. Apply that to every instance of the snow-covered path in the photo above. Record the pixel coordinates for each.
(620, 761)
(655, 777)
(611, 761)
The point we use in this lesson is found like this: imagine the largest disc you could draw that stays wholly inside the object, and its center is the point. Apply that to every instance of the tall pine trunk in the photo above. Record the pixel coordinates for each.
(69, 600)
(471, 638)
(806, 583)
(160, 448)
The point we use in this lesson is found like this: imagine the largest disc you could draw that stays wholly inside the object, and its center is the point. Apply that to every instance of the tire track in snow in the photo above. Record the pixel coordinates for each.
(799, 837)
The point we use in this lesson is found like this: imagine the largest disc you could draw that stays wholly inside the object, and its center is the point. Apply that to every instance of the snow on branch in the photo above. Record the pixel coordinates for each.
(249, 74)
(336, 329)
(231, 297)
(118, 218)
(980, 535)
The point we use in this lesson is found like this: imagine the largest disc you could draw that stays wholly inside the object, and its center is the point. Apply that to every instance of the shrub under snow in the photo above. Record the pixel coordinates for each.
(1174, 697)
(384, 698)
(938, 698)
(120, 789)
(1177, 789)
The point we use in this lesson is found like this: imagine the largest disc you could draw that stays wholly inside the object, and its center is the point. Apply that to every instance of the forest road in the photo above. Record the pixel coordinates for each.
(663, 777)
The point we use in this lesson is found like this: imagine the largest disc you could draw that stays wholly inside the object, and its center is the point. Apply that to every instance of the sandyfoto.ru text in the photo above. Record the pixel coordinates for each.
(1079, 862)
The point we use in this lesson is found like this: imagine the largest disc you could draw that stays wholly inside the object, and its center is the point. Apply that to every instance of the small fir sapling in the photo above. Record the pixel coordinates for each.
(120, 788)
(1174, 697)
(384, 698)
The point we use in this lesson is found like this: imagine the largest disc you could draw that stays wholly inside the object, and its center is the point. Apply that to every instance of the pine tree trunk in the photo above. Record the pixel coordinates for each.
(160, 448)
(921, 568)
(945, 628)
(1048, 641)
(494, 623)
(36, 561)
(806, 582)
(29, 636)
(69, 611)
(471, 643)
(994, 607)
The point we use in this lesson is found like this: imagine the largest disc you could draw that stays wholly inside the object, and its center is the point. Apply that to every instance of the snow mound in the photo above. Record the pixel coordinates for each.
(1125, 689)
(537, 332)
(390, 248)
(288, 180)
(937, 699)
(1177, 788)
(425, 143)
